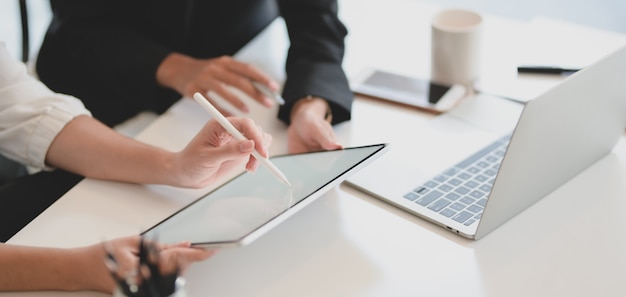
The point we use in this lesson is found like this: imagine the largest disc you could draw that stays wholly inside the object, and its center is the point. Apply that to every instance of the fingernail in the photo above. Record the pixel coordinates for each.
(246, 146)
(253, 168)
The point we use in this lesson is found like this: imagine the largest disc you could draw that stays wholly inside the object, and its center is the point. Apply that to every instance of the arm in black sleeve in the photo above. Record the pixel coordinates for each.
(314, 62)
(99, 49)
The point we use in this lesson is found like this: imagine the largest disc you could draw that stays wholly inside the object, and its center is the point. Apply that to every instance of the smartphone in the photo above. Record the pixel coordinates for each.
(411, 91)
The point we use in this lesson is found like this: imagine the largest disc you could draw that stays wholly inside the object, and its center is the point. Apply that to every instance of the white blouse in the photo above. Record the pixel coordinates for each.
(31, 115)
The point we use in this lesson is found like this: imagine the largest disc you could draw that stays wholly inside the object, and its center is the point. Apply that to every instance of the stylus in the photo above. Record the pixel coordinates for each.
(269, 93)
(235, 133)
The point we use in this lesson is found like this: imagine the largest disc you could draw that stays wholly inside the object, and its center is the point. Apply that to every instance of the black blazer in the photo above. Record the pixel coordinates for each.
(106, 52)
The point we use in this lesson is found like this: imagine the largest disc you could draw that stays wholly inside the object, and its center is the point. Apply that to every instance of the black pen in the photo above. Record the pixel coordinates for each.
(545, 70)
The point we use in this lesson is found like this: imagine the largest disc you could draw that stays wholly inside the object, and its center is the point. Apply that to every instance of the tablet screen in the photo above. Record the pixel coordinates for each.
(252, 203)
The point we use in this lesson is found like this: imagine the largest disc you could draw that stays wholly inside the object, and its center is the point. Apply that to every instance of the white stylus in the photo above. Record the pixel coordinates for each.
(237, 135)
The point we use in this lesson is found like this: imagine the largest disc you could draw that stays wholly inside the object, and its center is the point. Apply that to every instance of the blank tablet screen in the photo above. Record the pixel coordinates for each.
(248, 204)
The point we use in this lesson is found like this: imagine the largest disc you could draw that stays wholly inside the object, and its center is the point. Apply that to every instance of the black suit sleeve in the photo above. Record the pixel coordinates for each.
(93, 52)
(314, 62)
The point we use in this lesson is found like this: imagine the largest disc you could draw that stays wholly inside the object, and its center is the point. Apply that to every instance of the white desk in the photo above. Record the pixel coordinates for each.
(349, 244)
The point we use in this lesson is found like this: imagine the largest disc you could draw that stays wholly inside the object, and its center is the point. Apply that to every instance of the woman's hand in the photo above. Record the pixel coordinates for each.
(214, 153)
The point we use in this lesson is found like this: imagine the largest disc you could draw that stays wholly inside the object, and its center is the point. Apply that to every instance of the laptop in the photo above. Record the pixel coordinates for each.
(556, 136)
(251, 204)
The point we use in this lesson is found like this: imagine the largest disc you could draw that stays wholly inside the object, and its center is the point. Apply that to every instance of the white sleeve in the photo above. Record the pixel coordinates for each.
(31, 115)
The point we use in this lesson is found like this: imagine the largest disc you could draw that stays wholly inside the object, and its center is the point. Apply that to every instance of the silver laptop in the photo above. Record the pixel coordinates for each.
(558, 135)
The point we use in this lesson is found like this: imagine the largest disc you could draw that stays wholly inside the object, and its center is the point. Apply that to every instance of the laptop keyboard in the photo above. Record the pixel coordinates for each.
(461, 191)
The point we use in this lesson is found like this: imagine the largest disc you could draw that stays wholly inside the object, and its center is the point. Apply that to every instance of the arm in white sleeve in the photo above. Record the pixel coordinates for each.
(31, 115)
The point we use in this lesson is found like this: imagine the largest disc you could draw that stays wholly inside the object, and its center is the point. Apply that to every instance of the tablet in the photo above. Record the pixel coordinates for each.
(249, 205)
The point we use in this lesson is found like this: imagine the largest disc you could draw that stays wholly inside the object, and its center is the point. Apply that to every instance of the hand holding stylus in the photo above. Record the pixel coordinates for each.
(237, 135)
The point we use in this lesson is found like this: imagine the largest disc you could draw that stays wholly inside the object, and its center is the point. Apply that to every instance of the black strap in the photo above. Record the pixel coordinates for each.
(25, 36)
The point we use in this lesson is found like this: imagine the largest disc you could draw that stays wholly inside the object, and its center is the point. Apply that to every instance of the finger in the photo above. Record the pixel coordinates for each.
(179, 258)
(246, 85)
(251, 72)
(250, 130)
(226, 96)
(253, 164)
(267, 139)
(182, 244)
(324, 136)
(328, 142)
(194, 254)
(233, 150)
(216, 76)
(246, 75)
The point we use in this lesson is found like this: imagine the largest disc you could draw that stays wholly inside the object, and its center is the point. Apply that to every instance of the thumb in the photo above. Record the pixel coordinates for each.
(330, 144)
(326, 140)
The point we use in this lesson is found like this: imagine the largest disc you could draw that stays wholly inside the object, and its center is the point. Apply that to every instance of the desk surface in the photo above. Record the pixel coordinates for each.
(349, 244)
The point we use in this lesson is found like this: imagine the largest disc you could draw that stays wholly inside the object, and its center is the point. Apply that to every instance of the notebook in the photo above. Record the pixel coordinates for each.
(251, 204)
(558, 135)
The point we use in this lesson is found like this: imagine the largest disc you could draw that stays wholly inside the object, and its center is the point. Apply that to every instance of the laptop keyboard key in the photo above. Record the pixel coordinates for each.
(467, 200)
(445, 188)
(439, 205)
(453, 196)
(411, 196)
(451, 171)
(469, 222)
(464, 175)
(473, 170)
(462, 190)
(455, 182)
(471, 184)
(431, 184)
(490, 172)
(475, 208)
(485, 188)
(440, 178)
(448, 212)
(482, 164)
(481, 178)
(477, 194)
(457, 206)
(493, 159)
(462, 216)
(421, 190)
(430, 197)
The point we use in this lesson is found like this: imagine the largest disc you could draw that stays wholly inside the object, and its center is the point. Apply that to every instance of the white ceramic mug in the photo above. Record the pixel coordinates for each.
(456, 47)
